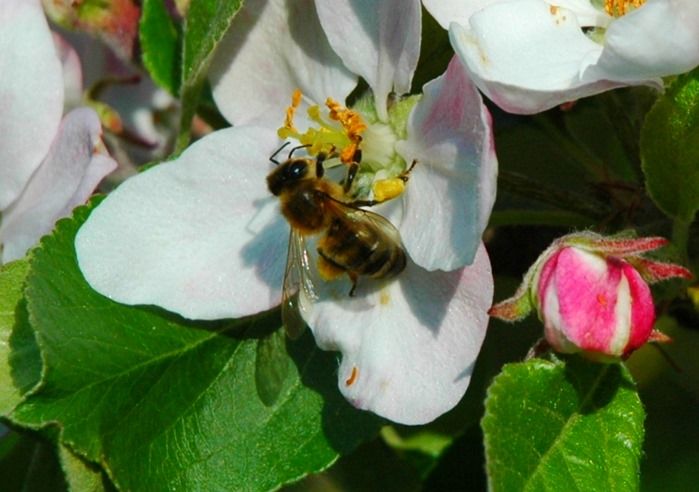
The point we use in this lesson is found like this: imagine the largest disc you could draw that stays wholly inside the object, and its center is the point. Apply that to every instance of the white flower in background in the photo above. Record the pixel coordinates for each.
(47, 165)
(531, 55)
(203, 236)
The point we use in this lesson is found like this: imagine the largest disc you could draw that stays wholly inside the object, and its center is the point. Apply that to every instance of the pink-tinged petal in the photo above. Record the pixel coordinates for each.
(589, 301)
(642, 309)
(71, 171)
(31, 94)
(378, 40)
(452, 187)
(409, 347)
(660, 38)
(200, 236)
(543, 71)
(447, 11)
(272, 48)
(72, 73)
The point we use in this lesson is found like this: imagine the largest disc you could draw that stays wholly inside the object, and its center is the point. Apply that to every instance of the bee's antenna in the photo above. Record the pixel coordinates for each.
(291, 152)
(272, 157)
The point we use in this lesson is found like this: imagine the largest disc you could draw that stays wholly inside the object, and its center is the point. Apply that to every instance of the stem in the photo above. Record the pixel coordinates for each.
(680, 238)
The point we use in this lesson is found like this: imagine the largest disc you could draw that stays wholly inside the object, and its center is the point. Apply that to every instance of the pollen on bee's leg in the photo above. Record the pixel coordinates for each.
(387, 189)
(354, 375)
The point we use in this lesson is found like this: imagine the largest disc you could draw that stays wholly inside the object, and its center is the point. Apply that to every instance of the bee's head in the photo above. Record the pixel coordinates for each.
(288, 174)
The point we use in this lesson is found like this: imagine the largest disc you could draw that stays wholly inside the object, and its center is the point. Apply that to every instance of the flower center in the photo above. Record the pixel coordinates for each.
(353, 138)
(339, 134)
(617, 8)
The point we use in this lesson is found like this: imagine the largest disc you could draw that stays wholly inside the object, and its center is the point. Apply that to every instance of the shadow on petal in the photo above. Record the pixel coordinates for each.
(467, 372)
(266, 250)
(429, 294)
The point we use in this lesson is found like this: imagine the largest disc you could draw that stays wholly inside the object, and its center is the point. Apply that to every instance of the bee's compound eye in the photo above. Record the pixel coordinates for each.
(297, 169)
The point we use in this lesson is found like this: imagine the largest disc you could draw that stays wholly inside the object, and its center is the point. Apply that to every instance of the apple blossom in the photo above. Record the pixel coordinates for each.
(202, 236)
(47, 165)
(592, 294)
(531, 55)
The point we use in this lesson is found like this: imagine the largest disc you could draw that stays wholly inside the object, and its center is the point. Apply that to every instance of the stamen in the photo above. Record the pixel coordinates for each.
(291, 111)
(617, 8)
(343, 140)
(353, 124)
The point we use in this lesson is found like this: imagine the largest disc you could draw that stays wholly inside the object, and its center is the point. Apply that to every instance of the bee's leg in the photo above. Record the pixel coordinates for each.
(320, 170)
(351, 174)
(405, 175)
(364, 203)
(353, 277)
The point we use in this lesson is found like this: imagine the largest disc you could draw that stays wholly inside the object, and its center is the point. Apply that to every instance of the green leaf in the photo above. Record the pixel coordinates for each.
(271, 366)
(670, 148)
(563, 426)
(164, 403)
(20, 361)
(205, 25)
(160, 45)
(81, 475)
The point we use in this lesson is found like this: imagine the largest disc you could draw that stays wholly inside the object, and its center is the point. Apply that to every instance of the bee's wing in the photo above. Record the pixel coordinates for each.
(380, 222)
(298, 280)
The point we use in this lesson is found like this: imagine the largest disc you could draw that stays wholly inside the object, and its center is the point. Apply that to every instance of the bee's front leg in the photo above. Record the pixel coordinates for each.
(353, 277)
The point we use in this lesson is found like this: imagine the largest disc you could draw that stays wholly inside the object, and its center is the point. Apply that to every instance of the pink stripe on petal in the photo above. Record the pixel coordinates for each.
(587, 291)
(642, 309)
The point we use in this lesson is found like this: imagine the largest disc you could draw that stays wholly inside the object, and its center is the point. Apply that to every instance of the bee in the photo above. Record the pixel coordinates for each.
(352, 241)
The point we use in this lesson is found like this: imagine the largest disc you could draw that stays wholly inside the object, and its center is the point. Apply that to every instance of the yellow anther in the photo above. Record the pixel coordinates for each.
(387, 189)
(291, 111)
(617, 8)
(353, 125)
(341, 140)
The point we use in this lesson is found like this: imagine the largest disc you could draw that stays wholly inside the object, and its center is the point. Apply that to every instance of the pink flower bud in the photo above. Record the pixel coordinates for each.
(593, 304)
(592, 294)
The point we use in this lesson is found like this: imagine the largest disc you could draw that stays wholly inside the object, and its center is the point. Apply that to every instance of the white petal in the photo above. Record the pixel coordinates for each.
(544, 69)
(412, 344)
(31, 94)
(200, 236)
(378, 40)
(452, 189)
(71, 171)
(447, 11)
(660, 38)
(272, 48)
(72, 73)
